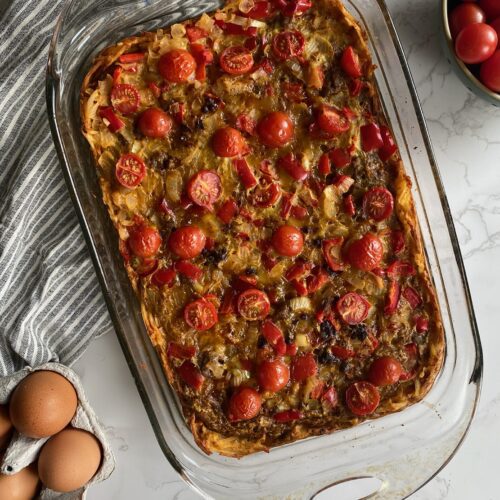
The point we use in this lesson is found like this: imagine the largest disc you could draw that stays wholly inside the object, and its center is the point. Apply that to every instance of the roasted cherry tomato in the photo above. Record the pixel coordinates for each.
(245, 123)
(236, 60)
(267, 196)
(362, 398)
(490, 72)
(191, 375)
(491, 8)
(349, 62)
(228, 142)
(378, 203)
(476, 43)
(288, 241)
(371, 137)
(227, 211)
(144, 241)
(385, 371)
(200, 314)
(155, 123)
(332, 121)
(366, 253)
(288, 44)
(463, 15)
(253, 304)
(332, 253)
(205, 188)
(276, 129)
(177, 66)
(273, 375)
(187, 242)
(244, 404)
(130, 170)
(353, 308)
(125, 98)
(303, 367)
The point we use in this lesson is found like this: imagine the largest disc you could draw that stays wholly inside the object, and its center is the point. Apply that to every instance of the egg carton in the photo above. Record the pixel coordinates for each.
(23, 450)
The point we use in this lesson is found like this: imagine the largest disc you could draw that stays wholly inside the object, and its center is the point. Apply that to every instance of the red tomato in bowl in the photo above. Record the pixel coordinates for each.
(491, 8)
(490, 72)
(496, 26)
(476, 43)
(463, 15)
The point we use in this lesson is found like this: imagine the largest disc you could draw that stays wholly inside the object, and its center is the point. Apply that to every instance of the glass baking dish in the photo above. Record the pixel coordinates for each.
(403, 450)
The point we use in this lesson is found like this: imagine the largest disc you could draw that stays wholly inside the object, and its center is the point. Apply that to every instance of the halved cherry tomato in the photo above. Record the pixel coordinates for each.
(273, 375)
(144, 241)
(253, 304)
(286, 416)
(399, 268)
(392, 298)
(267, 196)
(288, 241)
(349, 62)
(362, 398)
(276, 129)
(490, 71)
(236, 60)
(228, 142)
(189, 270)
(164, 277)
(303, 367)
(200, 314)
(246, 124)
(385, 370)
(389, 147)
(412, 296)
(245, 173)
(191, 375)
(366, 253)
(114, 122)
(290, 8)
(187, 242)
(130, 170)
(125, 98)
(340, 157)
(476, 43)
(332, 121)
(155, 123)
(378, 203)
(244, 404)
(227, 211)
(353, 308)
(274, 337)
(371, 137)
(260, 10)
(292, 165)
(205, 188)
(332, 254)
(288, 44)
(177, 66)
(180, 351)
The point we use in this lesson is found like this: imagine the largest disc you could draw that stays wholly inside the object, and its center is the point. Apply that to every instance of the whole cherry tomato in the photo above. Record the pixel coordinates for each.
(491, 8)
(349, 62)
(353, 308)
(200, 314)
(130, 170)
(236, 60)
(205, 188)
(125, 98)
(463, 15)
(273, 375)
(490, 72)
(144, 241)
(476, 43)
(276, 129)
(385, 370)
(187, 242)
(244, 404)
(303, 367)
(228, 142)
(366, 253)
(288, 241)
(155, 123)
(378, 203)
(177, 66)
(362, 398)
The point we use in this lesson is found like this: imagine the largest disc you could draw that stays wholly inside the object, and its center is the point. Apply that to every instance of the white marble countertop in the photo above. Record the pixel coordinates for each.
(465, 133)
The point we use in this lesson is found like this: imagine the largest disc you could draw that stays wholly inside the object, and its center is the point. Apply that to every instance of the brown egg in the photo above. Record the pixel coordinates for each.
(42, 404)
(20, 486)
(69, 460)
(5, 427)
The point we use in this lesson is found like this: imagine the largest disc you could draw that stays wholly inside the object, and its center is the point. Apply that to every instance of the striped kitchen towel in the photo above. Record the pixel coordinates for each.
(50, 301)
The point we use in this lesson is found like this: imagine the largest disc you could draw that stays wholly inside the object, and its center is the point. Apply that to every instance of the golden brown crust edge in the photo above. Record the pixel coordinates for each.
(235, 446)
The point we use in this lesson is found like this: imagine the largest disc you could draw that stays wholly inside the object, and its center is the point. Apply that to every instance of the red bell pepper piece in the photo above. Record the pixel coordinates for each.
(191, 375)
(114, 122)
(421, 324)
(324, 165)
(349, 207)
(400, 268)
(245, 173)
(189, 270)
(227, 211)
(288, 416)
(132, 57)
(330, 397)
(179, 351)
(412, 296)
(194, 33)
(392, 298)
(293, 167)
(342, 353)
(164, 277)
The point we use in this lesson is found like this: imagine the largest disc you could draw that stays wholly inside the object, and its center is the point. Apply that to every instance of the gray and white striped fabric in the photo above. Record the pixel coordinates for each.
(50, 302)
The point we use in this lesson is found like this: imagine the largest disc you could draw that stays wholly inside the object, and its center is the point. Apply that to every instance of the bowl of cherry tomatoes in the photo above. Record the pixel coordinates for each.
(472, 42)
